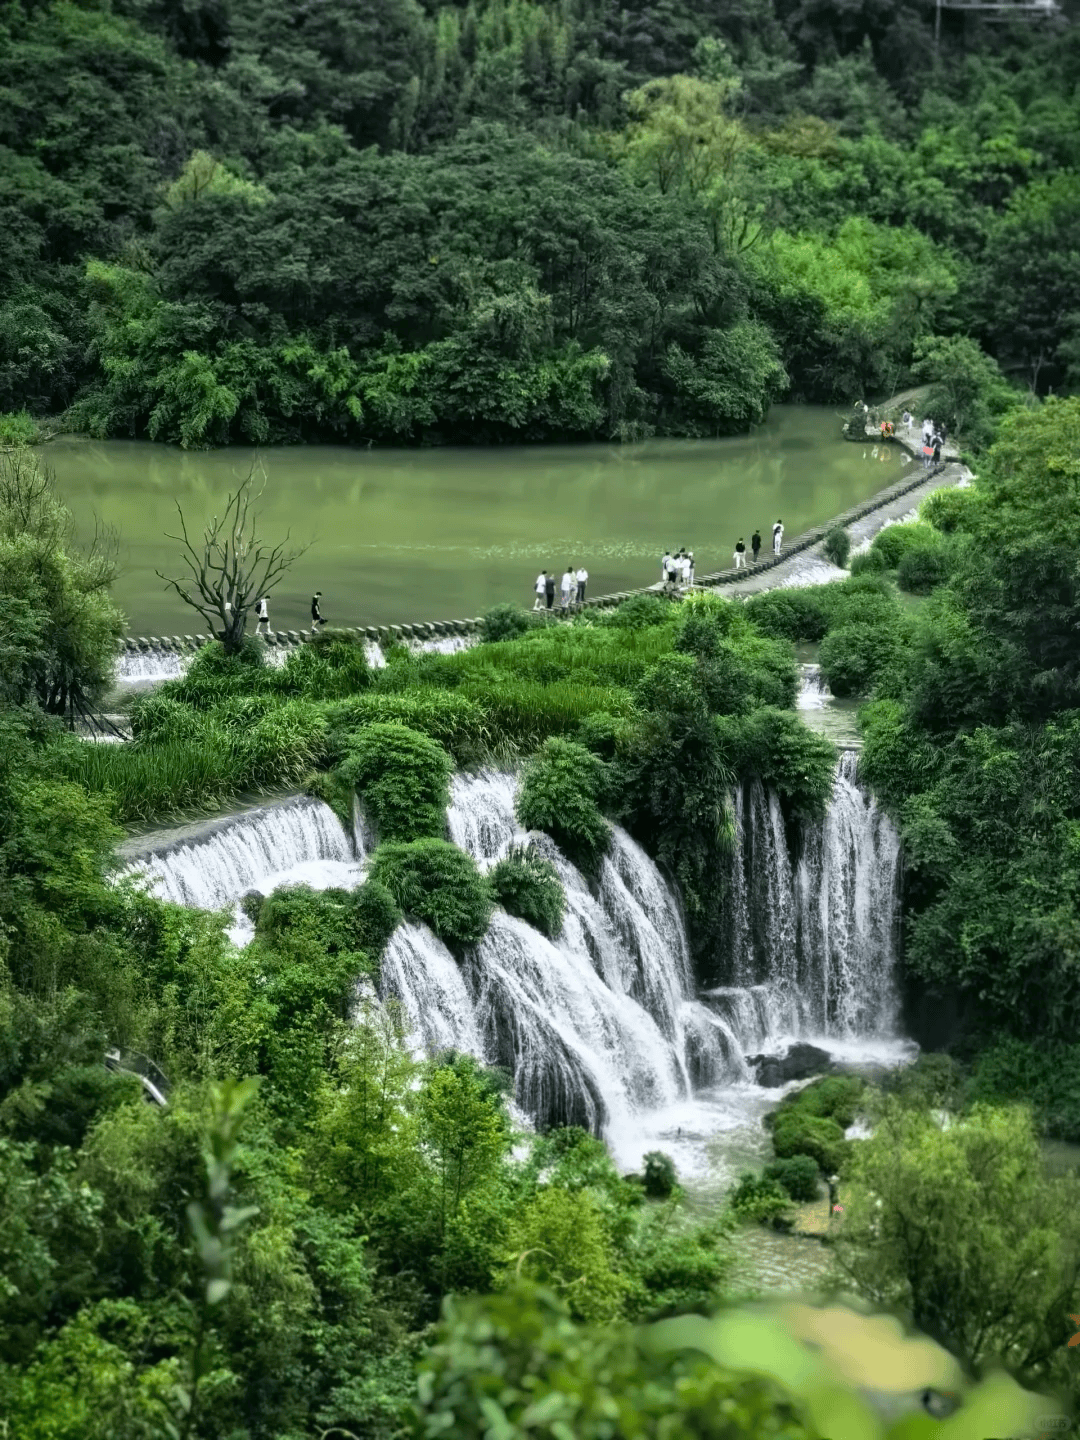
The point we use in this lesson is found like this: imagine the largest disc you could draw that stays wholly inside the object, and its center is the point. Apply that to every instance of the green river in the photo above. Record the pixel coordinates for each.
(406, 535)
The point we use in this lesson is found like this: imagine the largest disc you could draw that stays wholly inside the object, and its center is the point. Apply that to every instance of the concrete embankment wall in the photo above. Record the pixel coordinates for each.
(434, 629)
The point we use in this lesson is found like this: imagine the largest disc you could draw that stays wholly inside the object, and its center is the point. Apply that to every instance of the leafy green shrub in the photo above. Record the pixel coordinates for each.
(505, 622)
(355, 922)
(798, 1176)
(868, 562)
(761, 1201)
(796, 615)
(795, 1132)
(330, 666)
(923, 568)
(952, 510)
(659, 1175)
(835, 1096)
(18, 427)
(605, 734)
(403, 777)
(438, 884)
(837, 545)
(781, 751)
(1045, 1076)
(528, 886)
(894, 541)
(639, 612)
(854, 656)
(560, 791)
(865, 599)
(449, 717)
(676, 1271)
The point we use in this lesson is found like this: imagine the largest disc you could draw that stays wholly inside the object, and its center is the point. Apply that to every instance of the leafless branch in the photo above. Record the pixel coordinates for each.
(230, 567)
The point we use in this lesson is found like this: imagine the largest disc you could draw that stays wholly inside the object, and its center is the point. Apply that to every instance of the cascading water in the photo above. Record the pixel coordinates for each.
(812, 942)
(847, 890)
(603, 1026)
(150, 667)
(300, 842)
(814, 693)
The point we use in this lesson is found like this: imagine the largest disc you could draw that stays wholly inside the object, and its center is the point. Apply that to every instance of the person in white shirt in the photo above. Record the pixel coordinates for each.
(777, 536)
(690, 568)
(582, 579)
(262, 610)
(665, 567)
(566, 587)
(541, 590)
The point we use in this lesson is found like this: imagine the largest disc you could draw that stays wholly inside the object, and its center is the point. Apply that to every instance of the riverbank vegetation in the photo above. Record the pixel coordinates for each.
(521, 221)
(289, 1286)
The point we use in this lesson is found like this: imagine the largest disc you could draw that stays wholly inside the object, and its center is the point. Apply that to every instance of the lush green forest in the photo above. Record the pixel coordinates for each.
(317, 1215)
(400, 221)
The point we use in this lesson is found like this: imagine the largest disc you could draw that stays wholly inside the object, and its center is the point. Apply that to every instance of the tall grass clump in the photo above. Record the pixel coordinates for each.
(528, 886)
(837, 545)
(439, 884)
(403, 778)
(188, 760)
(457, 722)
(560, 793)
(526, 712)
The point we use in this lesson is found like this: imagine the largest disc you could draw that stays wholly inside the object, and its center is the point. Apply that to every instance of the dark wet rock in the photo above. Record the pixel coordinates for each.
(799, 1063)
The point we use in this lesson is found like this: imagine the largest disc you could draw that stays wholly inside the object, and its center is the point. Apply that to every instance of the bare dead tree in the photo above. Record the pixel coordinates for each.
(230, 567)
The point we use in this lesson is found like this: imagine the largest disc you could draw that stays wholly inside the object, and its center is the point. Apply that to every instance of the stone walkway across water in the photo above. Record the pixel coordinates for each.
(801, 563)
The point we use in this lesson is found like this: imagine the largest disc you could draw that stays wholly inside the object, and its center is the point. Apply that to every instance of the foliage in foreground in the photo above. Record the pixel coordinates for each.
(520, 1361)
(436, 882)
(528, 886)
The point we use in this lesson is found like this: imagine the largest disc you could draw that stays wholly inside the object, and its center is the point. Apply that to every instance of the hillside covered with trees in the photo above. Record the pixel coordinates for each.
(404, 221)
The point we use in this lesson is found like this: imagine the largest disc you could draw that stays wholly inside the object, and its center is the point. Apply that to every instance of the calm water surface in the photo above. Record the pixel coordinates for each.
(442, 534)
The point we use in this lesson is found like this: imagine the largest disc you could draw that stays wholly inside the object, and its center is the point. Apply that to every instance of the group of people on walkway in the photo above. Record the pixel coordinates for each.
(755, 545)
(262, 613)
(571, 588)
(677, 569)
(933, 438)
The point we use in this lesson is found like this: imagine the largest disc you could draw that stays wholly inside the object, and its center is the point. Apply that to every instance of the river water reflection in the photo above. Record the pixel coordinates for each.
(402, 535)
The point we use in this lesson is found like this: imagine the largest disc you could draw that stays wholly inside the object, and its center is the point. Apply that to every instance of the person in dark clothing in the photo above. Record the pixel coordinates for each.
(937, 449)
(550, 592)
(316, 614)
(740, 554)
(755, 544)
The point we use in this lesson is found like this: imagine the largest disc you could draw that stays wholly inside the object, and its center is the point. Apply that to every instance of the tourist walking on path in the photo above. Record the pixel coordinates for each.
(755, 544)
(927, 430)
(316, 613)
(262, 611)
(567, 587)
(690, 567)
(541, 590)
(777, 536)
(740, 554)
(937, 450)
(549, 589)
(665, 568)
(582, 580)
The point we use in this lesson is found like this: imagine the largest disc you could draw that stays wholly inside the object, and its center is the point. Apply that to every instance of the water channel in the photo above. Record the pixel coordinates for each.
(411, 535)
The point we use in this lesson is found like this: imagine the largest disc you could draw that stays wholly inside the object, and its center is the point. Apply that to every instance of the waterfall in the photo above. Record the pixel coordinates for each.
(150, 667)
(814, 693)
(847, 893)
(301, 842)
(420, 973)
(811, 942)
(480, 816)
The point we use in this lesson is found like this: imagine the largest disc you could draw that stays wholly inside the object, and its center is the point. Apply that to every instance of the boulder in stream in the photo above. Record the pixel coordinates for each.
(800, 1062)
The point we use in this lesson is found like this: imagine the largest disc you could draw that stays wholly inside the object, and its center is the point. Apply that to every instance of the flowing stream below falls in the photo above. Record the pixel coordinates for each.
(605, 1026)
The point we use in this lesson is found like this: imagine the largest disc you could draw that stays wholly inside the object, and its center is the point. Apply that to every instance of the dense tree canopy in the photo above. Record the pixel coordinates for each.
(515, 218)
